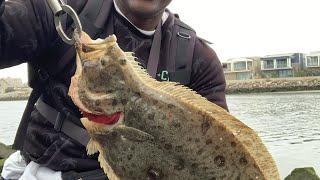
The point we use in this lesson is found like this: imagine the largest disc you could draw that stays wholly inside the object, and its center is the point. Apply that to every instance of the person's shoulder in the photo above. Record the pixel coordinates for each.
(204, 53)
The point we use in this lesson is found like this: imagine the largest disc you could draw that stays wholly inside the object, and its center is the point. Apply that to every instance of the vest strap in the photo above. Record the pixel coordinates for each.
(154, 55)
(63, 122)
(182, 49)
(23, 126)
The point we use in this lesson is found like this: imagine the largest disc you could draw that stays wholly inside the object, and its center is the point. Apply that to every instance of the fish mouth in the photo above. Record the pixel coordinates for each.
(103, 119)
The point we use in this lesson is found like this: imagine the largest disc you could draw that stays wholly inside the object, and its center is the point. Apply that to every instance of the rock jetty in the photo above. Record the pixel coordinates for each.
(273, 85)
(12, 89)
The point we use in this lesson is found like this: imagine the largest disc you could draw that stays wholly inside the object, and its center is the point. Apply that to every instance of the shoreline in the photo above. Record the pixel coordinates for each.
(276, 85)
(271, 91)
(252, 86)
(15, 96)
(25, 98)
(275, 92)
(14, 99)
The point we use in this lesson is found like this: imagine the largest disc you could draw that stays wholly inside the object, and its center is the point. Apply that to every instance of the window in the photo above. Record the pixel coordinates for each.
(268, 64)
(312, 61)
(240, 66)
(282, 63)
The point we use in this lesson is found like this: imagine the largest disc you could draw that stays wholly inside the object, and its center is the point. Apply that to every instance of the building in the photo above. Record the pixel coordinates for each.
(13, 82)
(9, 84)
(239, 68)
(3, 86)
(312, 64)
(281, 65)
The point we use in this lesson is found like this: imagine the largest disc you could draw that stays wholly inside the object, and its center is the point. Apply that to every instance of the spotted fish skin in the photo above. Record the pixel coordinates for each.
(166, 130)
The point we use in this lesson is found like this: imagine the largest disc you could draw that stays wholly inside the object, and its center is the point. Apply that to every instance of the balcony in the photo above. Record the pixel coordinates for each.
(276, 64)
(313, 61)
(268, 64)
(238, 65)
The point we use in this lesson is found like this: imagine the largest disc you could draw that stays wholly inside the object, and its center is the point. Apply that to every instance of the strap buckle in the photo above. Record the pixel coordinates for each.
(43, 75)
(61, 117)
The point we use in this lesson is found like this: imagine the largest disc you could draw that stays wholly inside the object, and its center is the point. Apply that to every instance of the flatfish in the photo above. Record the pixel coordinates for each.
(146, 129)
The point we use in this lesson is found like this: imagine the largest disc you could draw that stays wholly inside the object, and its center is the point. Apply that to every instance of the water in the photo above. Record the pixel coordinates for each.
(10, 114)
(288, 123)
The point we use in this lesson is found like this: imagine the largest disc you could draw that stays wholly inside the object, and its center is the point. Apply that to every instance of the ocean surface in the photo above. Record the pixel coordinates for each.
(288, 123)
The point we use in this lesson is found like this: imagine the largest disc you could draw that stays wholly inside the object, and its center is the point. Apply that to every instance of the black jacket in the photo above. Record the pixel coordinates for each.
(27, 32)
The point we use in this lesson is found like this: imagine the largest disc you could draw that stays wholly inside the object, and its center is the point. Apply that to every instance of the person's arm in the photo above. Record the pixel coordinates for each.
(207, 76)
(26, 29)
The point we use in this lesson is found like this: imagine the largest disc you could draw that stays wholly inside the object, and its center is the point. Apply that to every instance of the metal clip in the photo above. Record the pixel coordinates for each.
(184, 35)
(59, 8)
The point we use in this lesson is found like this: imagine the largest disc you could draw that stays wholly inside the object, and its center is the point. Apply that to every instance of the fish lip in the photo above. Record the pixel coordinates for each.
(105, 119)
(100, 128)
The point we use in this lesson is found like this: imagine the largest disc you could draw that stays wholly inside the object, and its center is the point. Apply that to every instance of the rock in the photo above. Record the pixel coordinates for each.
(1, 164)
(307, 173)
(273, 85)
(5, 151)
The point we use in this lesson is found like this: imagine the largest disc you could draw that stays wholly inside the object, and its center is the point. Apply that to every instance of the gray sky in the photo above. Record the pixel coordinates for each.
(245, 27)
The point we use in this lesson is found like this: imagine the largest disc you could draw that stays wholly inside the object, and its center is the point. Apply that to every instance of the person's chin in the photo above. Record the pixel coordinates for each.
(144, 8)
(147, 7)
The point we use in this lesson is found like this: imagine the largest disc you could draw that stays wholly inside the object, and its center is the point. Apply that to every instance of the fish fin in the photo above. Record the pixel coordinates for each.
(174, 89)
(92, 147)
(105, 166)
(129, 54)
(133, 134)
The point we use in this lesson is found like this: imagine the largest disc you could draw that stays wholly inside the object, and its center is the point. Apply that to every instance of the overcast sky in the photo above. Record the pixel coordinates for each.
(245, 27)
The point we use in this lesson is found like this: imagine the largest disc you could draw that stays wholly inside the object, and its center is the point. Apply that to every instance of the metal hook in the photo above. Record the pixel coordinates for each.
(59, 8)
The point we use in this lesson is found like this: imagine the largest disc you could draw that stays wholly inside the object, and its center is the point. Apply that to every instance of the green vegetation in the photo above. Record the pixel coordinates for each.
(5, 152)
(301, 73)
(1, 164)
(307, 173)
